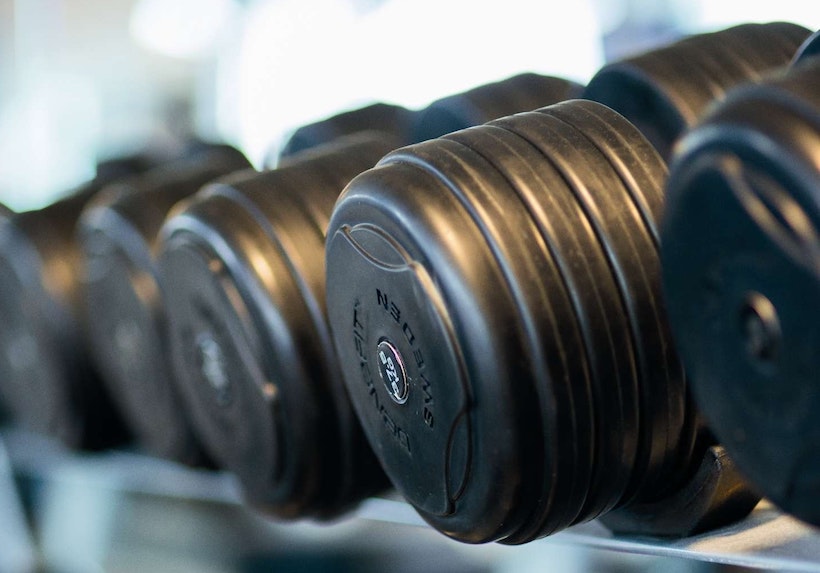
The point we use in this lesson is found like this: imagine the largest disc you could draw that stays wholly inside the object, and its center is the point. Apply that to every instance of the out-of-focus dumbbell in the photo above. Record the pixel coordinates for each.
(665, 91)
(244, 268)
(523, 92)
(47, 382)
(123, 295)
(741, 264)
(393, 120)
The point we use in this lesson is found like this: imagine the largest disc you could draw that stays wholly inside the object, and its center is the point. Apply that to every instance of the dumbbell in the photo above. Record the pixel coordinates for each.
(47, 382)
(522, 92)
(664, 91)
(243, 262)
(391, 119)
(123, 295)
(741, 268)
(494, 298)
(107, 170)
(809, 49)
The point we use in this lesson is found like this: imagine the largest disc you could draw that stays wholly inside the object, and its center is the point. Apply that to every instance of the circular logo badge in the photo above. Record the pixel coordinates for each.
(391, 368)
(214, 367)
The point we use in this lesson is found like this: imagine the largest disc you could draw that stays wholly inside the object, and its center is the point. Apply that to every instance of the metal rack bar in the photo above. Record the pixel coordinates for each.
(767, 539)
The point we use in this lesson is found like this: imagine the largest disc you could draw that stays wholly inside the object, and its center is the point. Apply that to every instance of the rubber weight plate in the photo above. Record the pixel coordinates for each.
(243, 263)
(664, 91)
(523, 92)
(47, 381)
(741, 261)
(124, 296)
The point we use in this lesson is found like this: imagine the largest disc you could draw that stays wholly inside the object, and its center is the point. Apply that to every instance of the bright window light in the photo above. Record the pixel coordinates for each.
(184, 29)
(706, 15)
(301, 61)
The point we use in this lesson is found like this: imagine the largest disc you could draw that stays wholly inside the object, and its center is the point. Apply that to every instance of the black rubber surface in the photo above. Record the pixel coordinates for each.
(124, 296)
(254, 364)
(742, 275)
(393, 120)
(511, 271)
(665, 91)
(523, 92)
(47, 381)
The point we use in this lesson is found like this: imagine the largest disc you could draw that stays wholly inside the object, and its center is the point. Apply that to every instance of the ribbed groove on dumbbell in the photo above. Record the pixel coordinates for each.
(638, 165)
(674, 379)
(41, 275)
(613, 234)
(479, 141)
(475, 137)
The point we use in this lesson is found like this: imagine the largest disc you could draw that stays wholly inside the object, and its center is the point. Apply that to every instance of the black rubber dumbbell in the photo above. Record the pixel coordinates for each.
(494, 297)
(124, 297)
(243, 262)
(107, 170)
(523, 92)
(741, 264)
(47, 382)
(394, 120)
(665, 91)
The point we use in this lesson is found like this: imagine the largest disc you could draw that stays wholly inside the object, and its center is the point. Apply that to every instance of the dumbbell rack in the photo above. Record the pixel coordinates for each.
(767, 539)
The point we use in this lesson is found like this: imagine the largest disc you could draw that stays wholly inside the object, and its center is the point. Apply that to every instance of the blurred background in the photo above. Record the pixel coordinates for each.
(86, 80)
